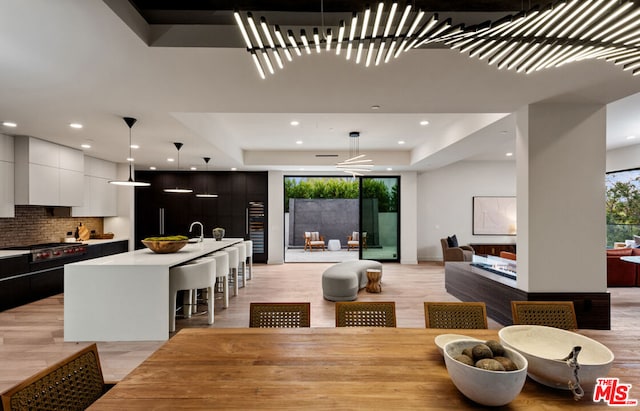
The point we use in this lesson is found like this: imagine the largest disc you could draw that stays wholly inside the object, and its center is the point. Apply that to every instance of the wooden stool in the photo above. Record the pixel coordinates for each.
(374, 276)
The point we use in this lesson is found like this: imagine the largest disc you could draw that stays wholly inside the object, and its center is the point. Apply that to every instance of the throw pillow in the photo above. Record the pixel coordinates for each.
(636, 238)
(452, 241)
(354, 236)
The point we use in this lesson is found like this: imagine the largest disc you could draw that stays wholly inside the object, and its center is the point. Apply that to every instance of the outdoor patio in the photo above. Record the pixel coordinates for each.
(299, 255)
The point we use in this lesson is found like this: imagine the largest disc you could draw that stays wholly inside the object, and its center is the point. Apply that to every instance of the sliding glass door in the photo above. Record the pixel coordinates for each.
(379, 218)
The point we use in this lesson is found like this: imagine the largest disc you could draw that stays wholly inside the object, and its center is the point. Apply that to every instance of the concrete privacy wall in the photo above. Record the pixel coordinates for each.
(332, 218)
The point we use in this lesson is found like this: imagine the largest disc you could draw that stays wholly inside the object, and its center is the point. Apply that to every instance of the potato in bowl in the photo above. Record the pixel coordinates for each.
(482, 385)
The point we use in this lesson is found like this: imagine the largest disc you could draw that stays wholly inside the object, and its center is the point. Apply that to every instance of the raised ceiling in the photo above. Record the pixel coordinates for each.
(95, 62)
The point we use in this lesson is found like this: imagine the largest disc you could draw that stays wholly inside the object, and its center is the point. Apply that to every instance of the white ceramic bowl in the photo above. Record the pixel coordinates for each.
(492, 388)
(545, 347)
(442, 340)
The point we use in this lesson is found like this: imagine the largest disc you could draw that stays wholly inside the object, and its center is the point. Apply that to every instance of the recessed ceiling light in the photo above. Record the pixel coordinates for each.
(375, 107)
(171, 160)
(233, 169)
(193, 168)
(389, 169)
(130, 159)
(135, 146)
(9, 124)
(630, 137)
(85, 145)
(299, 142)
(75, 125)
(424, 123)
(401, 142)
(152, 168)
(295, 123)
(509, 154)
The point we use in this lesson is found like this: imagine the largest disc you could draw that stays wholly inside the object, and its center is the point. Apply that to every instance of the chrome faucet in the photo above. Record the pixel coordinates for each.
(201, 229)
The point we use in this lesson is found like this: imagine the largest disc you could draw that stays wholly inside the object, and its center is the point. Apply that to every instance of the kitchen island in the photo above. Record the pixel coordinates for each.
(125, 297)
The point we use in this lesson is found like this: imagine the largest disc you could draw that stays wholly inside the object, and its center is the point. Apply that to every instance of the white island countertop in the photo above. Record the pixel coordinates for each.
(125, 297)
(144, 257)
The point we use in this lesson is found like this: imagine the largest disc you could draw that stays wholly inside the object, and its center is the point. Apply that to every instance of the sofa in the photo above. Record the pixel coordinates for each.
(341, 281)
(622, 273)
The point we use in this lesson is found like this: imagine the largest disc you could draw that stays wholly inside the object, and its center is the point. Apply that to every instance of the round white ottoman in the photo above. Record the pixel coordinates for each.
(340, 284)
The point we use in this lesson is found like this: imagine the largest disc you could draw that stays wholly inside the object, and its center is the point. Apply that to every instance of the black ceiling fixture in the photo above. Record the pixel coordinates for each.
(130, 121)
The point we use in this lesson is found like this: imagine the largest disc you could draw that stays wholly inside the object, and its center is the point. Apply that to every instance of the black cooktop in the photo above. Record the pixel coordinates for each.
(39, 246)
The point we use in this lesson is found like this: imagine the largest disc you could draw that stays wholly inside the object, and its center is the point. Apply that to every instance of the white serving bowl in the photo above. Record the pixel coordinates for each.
(492, 388)
(442, 340)
(545, 347)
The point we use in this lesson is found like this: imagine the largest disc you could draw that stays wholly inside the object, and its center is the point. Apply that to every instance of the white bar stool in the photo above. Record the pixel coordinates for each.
(242, 262)
(221, 260)
(222, 274)
(248, 244)
(233, 267)
(191, 276)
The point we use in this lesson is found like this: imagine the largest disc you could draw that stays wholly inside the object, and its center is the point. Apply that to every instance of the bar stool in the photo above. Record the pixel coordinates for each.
(187, 277)
(248, 244)
(221, 260)
(233, 267)
(222, 274)
(242, 262)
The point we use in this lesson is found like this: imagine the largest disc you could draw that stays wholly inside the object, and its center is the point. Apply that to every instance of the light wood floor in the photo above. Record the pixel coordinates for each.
(31, 336)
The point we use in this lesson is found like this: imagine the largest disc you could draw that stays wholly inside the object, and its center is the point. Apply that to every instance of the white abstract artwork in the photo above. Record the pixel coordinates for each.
(494, 215)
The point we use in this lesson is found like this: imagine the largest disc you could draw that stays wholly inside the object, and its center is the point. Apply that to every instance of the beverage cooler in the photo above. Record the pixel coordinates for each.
(256, 229)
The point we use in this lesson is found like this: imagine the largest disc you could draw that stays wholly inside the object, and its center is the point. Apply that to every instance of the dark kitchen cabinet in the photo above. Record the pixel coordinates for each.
(22, 282)
(240, 208)
(14, 283)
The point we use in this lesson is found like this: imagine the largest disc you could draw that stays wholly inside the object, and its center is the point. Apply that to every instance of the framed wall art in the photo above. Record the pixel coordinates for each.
(494, 215)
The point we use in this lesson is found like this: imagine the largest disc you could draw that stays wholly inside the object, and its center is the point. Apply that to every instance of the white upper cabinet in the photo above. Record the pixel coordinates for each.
(100, 197)
(7, 208)
(47, 174)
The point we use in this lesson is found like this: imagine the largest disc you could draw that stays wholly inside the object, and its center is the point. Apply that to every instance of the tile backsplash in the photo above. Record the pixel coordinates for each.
(36, 224)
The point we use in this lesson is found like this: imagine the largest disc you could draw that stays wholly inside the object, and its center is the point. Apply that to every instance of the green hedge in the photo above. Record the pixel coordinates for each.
(334, 187)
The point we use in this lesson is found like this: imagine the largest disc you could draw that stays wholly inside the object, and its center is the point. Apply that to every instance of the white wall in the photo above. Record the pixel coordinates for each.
(408, 215)
(560, 177)
(445, 202)
(276, 218)
(623, 158)
(123, 225)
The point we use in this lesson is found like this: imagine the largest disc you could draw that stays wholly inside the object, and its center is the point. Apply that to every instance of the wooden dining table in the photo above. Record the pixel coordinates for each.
(323, 369)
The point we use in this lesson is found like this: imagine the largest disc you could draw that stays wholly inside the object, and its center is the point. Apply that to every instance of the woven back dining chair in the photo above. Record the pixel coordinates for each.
(365, 314)
(559, 314)
(71, 384)
(455, 315)
(279, 315)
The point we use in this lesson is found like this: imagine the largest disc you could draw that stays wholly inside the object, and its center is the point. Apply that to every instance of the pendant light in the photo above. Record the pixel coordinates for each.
(357, 163)
(177, 189)
(130, 121)
(206, 193)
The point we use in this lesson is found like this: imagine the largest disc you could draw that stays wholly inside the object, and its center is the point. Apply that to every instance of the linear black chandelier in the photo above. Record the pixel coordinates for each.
(551, 36)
